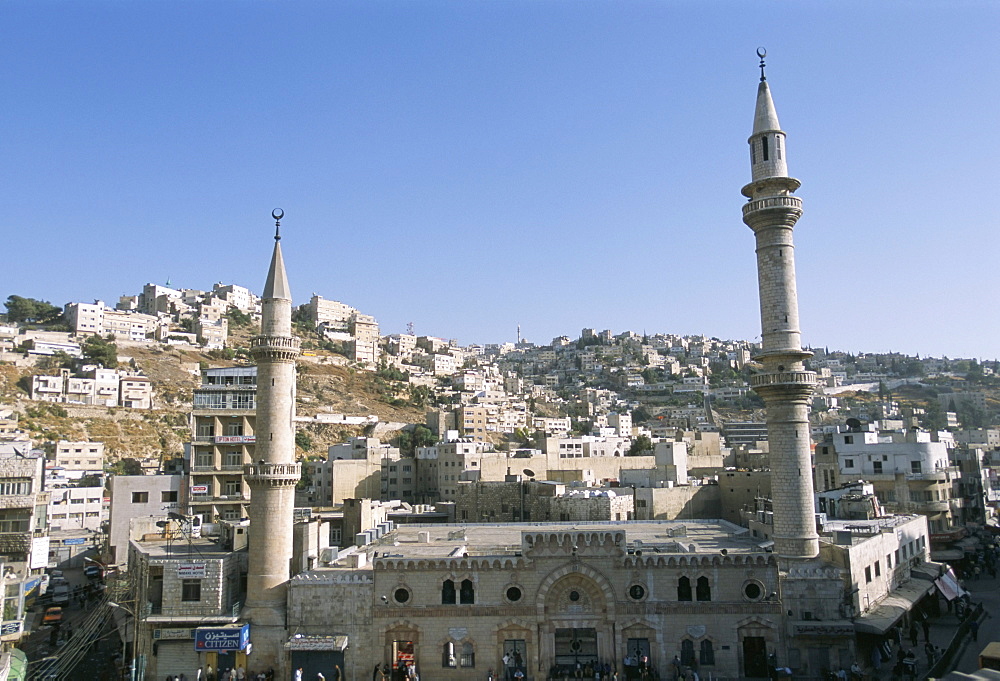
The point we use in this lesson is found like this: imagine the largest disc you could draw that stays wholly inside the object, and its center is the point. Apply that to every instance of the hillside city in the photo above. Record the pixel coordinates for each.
(116, 418)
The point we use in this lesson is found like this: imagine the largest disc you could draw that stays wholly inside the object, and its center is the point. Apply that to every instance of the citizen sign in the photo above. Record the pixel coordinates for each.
(230, 638)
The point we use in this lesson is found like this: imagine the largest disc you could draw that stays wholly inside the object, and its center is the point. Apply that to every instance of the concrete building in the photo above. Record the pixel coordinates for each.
(138, 497)
(223, 438)
(24, 543)
(71, 461)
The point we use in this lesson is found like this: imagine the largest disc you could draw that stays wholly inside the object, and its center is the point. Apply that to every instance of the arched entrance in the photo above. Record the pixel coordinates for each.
(576, 611)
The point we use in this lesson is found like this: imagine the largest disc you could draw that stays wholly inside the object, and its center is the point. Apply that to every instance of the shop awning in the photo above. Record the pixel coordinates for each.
(302, 642)
(948, 586)
(900, 600)
(948, 554)
(18, 670)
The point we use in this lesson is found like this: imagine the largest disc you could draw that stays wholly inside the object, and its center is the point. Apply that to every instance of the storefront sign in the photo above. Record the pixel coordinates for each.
(191, 571)
(229, 638)
(12, 627)
(199, 489)
(823, 630)
(172, 634)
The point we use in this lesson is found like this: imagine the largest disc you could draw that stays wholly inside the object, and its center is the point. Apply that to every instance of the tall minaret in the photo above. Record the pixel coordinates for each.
(273, 477)
(783, 382)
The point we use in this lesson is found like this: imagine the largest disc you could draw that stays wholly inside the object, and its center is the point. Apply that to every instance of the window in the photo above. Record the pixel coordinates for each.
(401, 595)
(868, 574)
(777, 146)
(636, 592)
(448, 655)
(15, 520)
(232, 488)
(190, 590)
(684, 589)
(169, 497)
(234, 458)
(753, 151)
(140, 497)
(467, 593)
(687, 652)
(707, 653)
(703, 591)
(204, 459)
(234, 429)
(513, 594)
(914, 466)
(468, 657)
(78, 500)
(877, 467)
(767, 157)
(878, 569)
(448, 592)
(848, 463)
(206, 429)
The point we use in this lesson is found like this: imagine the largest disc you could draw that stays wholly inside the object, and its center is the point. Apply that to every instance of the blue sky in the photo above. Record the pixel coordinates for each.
(471, 166)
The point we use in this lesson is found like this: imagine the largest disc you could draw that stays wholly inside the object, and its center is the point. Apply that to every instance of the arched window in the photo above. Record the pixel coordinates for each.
(467, 594)
(703, 592)
(687, 652)
(707, 655)
(448, 592)
(753, 151)
(763, 147)
(777, 146)
(448, 655)
(684, 589)
(468, 658)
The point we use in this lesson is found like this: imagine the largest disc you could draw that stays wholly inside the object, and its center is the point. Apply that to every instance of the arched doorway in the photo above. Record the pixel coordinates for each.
(576, 606)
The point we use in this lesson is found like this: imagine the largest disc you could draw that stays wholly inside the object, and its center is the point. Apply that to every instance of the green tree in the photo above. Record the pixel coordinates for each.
(101, 350)
(303, 440)
(423, 436)
(126, 466)
(641, 446)
(238, 317)
(31, 311)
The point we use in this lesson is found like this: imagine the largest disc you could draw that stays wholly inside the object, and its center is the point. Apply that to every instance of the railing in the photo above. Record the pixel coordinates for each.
(773, 202)
(288, 342)
(783, 378)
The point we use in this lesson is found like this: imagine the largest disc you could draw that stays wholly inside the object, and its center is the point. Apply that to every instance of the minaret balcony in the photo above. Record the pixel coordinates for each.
(272, 474)
(783, 378)
(773, 202)
(275, 347)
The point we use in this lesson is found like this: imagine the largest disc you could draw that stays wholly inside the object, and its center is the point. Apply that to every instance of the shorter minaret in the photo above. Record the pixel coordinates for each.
(272, 478)
(783, 382)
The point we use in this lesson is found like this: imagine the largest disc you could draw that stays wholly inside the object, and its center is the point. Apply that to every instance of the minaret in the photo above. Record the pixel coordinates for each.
(783, 382)
(273, 477)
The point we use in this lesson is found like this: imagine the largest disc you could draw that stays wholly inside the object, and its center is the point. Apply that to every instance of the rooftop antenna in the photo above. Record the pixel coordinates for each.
(277, 214)
(761, 52)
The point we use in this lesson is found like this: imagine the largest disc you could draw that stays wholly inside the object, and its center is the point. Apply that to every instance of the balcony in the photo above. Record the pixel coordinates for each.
(223, 499)
(272, 474)
(783, 378)
(212, 468)
(937, 475)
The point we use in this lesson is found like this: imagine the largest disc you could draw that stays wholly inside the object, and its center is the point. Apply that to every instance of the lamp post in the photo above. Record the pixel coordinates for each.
(129, 612)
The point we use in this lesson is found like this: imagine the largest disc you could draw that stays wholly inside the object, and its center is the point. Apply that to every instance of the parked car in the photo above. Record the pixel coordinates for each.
(53, 615)
(93, 571)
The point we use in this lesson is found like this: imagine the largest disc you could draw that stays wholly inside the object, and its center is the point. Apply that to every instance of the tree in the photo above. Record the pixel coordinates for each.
(641, 446)
(423, 436)
(100, 350)
(31, 311)
(238, 317)
(303, 440)
(127, 466)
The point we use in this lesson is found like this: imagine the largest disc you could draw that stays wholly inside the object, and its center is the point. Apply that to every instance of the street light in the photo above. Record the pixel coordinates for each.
(125, 638)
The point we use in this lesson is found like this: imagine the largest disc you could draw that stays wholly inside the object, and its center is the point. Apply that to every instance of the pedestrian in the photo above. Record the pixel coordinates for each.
(974, 628)
(927, 629)
(931, 652)
(198, 674)
(320, 677)
(298, 674)
(337, 674)
(376, 671)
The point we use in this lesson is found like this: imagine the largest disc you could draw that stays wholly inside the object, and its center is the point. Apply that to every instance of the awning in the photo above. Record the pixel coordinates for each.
(336, 643)
(969, 544)
(949, 586)
(948, 554)
(18, 670)
(928, 570)
(900, 600)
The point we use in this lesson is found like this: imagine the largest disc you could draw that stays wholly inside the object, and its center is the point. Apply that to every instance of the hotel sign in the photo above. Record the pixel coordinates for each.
(191, 571)
(235, 439)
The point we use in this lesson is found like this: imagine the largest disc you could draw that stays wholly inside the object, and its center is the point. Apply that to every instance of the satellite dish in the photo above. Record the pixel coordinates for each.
(530, 473)
(854, 425)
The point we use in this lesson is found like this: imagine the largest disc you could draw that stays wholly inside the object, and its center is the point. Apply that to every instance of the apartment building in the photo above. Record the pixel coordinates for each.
(135, 502)
(223, 437)
(94, 386)
(75, 460)
(23, 518)
(98, 318)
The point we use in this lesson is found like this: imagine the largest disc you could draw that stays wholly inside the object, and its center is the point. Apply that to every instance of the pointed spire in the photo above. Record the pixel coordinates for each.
(276, 285)
(765, 118)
